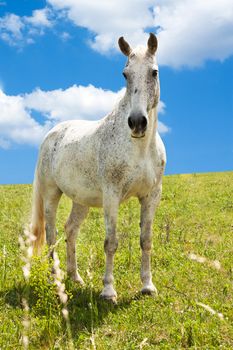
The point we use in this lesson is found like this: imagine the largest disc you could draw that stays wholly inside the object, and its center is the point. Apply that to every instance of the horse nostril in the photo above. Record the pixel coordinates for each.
(130, 123)
(143, 123)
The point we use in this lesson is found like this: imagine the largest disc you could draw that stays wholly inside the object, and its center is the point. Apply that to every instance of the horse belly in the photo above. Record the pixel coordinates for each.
(77, 177)
(81, 191)
(88, 197)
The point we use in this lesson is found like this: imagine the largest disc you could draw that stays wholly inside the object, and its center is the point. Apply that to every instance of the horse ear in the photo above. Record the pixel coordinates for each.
(124, 46)
(152, 44)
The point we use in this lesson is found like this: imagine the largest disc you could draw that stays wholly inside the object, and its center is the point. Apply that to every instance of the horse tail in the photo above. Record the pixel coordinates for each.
(38, 220)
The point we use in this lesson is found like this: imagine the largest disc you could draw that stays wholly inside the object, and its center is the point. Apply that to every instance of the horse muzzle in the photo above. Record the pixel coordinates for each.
(138, 125)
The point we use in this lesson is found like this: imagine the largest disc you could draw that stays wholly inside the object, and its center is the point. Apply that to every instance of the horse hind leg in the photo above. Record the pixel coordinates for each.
(77, 215)
(51, 200)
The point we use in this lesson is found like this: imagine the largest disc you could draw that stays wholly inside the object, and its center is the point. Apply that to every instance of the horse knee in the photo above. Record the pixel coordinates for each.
(145, 243)
(70, 230)
(110, 245)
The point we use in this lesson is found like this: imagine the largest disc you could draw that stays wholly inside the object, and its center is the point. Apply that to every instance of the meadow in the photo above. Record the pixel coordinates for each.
(192, 264)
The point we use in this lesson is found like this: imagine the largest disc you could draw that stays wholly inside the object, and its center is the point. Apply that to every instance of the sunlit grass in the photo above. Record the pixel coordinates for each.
(192, 263)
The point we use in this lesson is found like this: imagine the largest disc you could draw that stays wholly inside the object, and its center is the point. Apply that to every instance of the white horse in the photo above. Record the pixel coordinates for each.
(102, 164)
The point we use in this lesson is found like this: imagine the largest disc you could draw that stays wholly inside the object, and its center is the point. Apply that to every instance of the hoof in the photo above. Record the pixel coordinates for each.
(110, 299)
(76, 278)
(149, 290)
(108, 293)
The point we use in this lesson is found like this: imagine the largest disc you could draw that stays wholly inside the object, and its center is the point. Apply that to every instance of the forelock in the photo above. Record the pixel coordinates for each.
(140, 53)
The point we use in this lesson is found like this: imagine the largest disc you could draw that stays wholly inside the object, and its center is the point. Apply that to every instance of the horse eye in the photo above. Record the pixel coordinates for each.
(154, 73)
(125, 76)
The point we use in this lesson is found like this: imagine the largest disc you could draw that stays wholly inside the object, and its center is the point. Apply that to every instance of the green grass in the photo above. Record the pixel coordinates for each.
(195, 216)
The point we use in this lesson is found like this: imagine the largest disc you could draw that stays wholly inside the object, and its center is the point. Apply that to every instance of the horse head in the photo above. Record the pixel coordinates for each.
(141, 74)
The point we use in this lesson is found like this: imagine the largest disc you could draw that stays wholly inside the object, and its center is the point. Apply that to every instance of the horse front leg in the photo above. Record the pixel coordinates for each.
(148, 206)
(111, 205)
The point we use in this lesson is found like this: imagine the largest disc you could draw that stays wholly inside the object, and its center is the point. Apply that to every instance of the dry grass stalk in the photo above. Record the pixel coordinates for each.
(26, 247)
(90, 276)
(209, 309)
(58, 280)
(201, 259)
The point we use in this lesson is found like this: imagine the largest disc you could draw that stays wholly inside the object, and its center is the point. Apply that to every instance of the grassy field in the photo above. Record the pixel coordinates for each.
(192, 261)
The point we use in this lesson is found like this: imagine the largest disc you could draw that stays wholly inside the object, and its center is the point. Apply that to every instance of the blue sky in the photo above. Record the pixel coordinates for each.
(59, 60)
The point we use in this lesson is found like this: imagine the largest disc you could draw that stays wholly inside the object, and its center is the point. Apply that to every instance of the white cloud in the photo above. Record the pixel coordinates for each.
(161, 107)
(17, 124)
(65, 36)
(194, 31)
(109, 19)
(76, 102)
(191, 31)
(18, 31)
(11, 28)
(12, 23)
(163, 129)
(40, 18)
